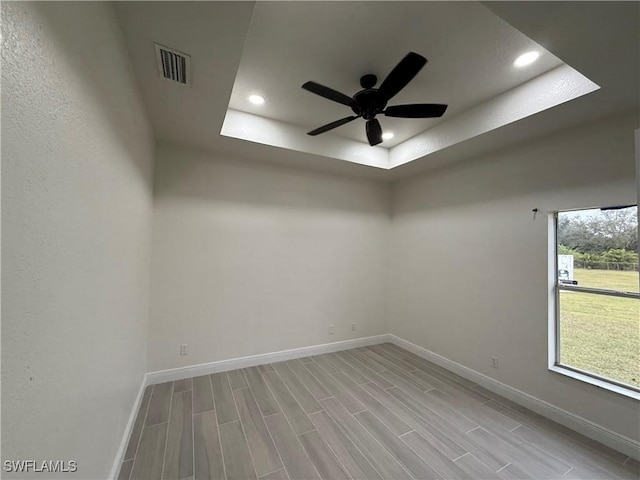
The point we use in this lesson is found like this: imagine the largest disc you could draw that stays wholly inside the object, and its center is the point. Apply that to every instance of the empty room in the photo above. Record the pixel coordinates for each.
(320, 240)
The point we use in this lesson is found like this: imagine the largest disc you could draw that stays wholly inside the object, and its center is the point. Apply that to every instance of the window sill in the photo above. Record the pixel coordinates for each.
(595, 381)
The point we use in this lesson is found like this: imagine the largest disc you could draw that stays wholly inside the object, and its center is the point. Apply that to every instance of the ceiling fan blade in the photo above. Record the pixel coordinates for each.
(416, 110)
(401, 75)
(374, 132)
(327, 92)
(332, 125)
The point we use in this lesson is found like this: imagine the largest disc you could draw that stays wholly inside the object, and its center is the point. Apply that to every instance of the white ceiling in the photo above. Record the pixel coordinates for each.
(470, 49)
(470, 52)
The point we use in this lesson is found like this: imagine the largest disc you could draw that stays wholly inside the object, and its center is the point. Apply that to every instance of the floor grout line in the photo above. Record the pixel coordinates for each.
(227, 423)
(502, 468)
(274, 471)
(456, 459)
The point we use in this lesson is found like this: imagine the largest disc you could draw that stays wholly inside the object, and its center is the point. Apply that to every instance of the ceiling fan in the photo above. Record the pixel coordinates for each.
(370, 101)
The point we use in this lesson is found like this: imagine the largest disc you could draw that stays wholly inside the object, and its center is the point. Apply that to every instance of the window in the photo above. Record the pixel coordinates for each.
(597, 302)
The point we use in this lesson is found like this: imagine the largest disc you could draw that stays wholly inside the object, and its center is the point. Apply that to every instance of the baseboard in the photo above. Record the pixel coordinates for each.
(581, 425)
(115, 468)
(254, 360)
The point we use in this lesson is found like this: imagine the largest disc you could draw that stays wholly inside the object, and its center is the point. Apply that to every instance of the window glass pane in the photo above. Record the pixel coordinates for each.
(601, 334)
(598, 249)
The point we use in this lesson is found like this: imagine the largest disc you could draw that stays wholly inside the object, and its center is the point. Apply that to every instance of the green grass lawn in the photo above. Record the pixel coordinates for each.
(601, 334)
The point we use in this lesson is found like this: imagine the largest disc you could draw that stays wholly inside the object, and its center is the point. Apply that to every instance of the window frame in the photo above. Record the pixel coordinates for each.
(554, 318)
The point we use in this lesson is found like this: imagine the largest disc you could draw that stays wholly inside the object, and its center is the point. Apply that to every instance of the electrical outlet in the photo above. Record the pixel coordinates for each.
(494, 362)
(331, 329)
(353, 327)
(183, 349)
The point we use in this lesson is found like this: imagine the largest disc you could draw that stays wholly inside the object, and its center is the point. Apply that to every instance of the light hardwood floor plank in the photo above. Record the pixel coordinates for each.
(361, 356)
(458, 436)
(125, 470)
(475, 468)
(463, 395)
(366, 371)
(349, 401)
(571, 453)
(277, 475)
(223, 399)
(237, 380)
(308, 403)
(347, 369)
(295, 459)
(202, 394)
(290, 407)
(149, 459)
(478, 413)
(323, 361)
(348, 454)
(395, 424)
(266, 402)
(312, 383)
(159, 404)
(322, 457)
(182, 385)
(431, 434)
(384, 463)
(396, 447)
(437, 460)
(400, 363)
(178, 457)
(263, 451)
(238, 464)
(206, 445)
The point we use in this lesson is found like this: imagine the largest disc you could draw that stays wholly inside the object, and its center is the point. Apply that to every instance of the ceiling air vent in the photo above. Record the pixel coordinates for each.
(173, 65)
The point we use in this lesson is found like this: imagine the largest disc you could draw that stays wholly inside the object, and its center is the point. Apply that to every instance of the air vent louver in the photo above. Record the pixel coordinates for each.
(173, 65)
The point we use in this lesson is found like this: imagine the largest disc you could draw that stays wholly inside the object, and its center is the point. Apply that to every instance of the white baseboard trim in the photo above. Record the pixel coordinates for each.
(260, 359)
(115, 468)
(581, 425)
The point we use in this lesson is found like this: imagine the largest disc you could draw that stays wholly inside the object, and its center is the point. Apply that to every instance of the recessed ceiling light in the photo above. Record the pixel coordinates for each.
(256, 99)
(387, 136)
(526, 59)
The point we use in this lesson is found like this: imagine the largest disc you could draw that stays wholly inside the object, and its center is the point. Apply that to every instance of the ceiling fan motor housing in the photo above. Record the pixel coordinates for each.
(368, 103)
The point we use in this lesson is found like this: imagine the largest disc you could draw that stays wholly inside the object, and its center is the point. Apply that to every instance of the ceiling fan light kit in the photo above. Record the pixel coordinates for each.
(371, 101)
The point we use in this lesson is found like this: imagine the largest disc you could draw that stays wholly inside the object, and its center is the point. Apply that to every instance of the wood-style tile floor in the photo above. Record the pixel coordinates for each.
(369, 413)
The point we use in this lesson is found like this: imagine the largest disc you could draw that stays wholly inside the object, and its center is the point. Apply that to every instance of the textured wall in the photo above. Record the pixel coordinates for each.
(76, 222)
(469, 265)
(250, 258)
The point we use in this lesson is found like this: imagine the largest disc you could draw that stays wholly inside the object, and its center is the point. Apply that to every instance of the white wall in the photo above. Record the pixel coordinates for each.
(469, 264)
(76, 222)
(252, 258)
